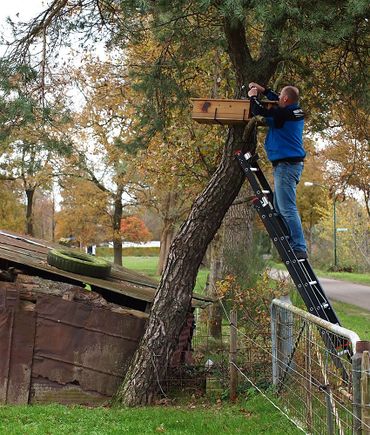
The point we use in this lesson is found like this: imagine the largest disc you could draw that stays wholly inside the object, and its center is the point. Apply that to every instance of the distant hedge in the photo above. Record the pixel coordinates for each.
(130, 252)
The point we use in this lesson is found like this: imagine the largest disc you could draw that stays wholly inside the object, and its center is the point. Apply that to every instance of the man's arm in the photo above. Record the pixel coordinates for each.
(267, 92)
(258, 108)
(271, 95)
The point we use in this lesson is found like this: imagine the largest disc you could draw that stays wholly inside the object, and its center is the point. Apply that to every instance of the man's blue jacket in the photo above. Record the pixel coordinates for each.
(284, 139)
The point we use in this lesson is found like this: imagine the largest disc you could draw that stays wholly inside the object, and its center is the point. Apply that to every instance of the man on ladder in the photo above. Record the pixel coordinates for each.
(284, 148)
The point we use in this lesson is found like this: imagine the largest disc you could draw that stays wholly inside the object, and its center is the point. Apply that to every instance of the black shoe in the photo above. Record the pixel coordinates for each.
(301, 255)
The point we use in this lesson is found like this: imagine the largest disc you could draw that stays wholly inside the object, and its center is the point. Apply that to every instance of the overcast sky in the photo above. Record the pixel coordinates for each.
(26, 9)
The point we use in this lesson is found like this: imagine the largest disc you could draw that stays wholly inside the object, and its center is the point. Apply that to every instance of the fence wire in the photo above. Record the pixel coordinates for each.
(305, 370)
(313, 373)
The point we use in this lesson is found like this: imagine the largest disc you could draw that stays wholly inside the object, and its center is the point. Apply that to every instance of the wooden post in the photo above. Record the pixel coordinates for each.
(365, 392)
(233, 350)
(358, 405)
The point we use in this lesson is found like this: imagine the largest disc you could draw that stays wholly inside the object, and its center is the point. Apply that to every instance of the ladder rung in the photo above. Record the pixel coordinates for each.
(304, 280)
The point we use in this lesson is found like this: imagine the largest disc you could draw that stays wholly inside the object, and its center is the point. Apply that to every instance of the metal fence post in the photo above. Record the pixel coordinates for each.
(274, 344)
(361, 346)
(329, 410)
(308, 368)
(286, 335)
(233, 349)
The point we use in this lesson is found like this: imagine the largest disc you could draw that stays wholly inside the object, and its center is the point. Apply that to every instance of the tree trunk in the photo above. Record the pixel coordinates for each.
(238, 223)
(167, 235)
(233, 238)
(29, 211)
(168, 230)
(117, 216)
(173, 297)
(215, 275)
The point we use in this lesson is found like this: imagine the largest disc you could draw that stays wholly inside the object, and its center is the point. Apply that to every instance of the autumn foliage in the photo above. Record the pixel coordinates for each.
(133, 229)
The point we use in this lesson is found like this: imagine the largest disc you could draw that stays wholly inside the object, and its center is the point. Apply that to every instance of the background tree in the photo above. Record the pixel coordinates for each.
(84, 213)
(44, 215)
(310, 199)
(347, 153)
(31, 132)
(12, 210)
(179, 157)
(100, 131)
(133, 229)
(352, 241)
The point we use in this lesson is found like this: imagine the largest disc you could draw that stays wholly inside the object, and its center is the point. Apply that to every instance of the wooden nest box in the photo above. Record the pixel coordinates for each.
(222, 111)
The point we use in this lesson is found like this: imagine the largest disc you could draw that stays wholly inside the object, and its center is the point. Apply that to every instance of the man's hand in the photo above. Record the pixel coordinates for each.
(259, 88)
(253, 92)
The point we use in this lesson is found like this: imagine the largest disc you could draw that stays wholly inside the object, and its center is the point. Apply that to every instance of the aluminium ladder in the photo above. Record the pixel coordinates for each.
(300, 270)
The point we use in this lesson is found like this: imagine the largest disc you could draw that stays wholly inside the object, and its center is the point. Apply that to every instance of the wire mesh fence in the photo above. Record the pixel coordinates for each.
(312, 370)
(299, 362)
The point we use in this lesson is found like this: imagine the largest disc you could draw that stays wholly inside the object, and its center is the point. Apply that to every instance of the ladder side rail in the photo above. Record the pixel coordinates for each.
(277, 233)
(285, 251)
(282, 246)
(319, 289)
(262, 179)
(340, 343)
(281, 243)
(263, 186)
(309, 296)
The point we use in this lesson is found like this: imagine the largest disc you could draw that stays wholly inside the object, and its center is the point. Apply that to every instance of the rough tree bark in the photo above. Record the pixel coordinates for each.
(233, 238)
(215, 275)
(168, 230)
(29, 211)
(215, 248)
(173, 296)
(117, 216)
(238, 234)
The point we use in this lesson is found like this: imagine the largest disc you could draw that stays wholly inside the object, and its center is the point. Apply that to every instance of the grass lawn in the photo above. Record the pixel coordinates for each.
(354, 318)
(148, 265)
(253, 416)
(351, 317)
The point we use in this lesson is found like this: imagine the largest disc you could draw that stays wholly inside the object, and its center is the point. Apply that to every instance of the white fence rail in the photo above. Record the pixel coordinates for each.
(317, 381)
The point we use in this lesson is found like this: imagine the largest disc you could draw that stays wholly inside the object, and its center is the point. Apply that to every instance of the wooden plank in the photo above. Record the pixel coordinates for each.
(18, 250)
(220, 111)
(6, 325)
(223, 111)
(21, 358)
(17, 331)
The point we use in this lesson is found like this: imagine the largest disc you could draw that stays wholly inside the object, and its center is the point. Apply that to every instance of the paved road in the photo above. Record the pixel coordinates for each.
(355, 294)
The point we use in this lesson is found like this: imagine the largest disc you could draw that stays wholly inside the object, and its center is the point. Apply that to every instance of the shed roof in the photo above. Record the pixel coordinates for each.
(29, 252)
